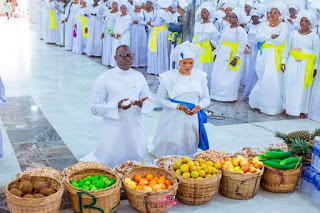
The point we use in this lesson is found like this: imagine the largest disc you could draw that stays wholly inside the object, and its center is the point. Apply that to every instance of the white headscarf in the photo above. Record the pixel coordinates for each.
(228, 4)
(281, 7)
(208, 6)
(255, 13)
(239, 13)
(310, 16)
(249, 2)
(164, 3)
(262, 9)
(128, 5)
(184, 51)
(137, 3)
(294, 6)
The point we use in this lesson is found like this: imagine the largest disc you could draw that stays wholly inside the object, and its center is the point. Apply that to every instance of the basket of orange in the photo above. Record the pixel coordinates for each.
(150, 189)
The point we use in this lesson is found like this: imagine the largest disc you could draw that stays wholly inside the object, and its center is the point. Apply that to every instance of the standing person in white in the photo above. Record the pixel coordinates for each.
(267, 94)
(226, 72)
(60, 14)
(41, 25)
(121, 34)
(292, 20)
(109, 20)
(2, 102)
(299, 64)
(223, 21)
(139, 40)
(183, 93)
(81, 26)
(51, 31)
(94, 42)
(314, 112)
(206, 36)
(69, 20)
(119, 96)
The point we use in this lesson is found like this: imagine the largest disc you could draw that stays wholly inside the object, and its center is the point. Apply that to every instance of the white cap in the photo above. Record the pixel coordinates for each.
(228, 4)
(185, 50)
(255, 13)
(126, 3)
(239, 13)
(208, 6)
(249, 2)
(310, 16)
(137, 3)
(164, 3)
(281, 7)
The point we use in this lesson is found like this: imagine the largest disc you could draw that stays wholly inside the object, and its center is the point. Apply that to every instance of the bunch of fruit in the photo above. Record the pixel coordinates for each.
(93, 183)
(31, 187)
(241, 164)
(149, 183)
(280, 159)
(197, 169)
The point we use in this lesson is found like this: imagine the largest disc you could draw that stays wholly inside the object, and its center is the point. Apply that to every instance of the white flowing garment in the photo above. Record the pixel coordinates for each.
(296, 98)
(221, 24)
(50, 35)
(314, 110)
(60, 15)
(94, 43)
(206, 32)
(70, 20)
(139, 40)
(121, 27)
(41, 19)
(177, 132)
(109, 21)
(225, 82)
(80, 42)
(267, 94)
(122, 135)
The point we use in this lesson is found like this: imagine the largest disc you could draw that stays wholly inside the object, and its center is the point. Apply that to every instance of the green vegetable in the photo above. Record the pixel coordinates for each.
(290, 160)
(96, 177)
(277, 150)
(294, 165)
(276, 160)
(277, 154)
(262, 157)
(112, 180)
(87, 182)
(108, 182)
(100, 185)
(275, 165)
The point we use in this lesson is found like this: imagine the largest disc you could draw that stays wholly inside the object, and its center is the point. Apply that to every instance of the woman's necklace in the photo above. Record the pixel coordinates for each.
(302, 33)
(275, 24)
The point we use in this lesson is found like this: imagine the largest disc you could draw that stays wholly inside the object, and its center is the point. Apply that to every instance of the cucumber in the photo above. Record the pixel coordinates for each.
(276, 160)
(277, 154)
(294, 165)
(262, 157)
(277, 150)
(275, 165)
(289, 160)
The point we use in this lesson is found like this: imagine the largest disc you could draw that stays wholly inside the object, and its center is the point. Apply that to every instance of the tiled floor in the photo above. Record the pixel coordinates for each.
(47, 120)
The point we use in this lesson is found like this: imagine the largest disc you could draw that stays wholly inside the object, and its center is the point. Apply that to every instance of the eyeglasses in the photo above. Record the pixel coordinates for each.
(123, 8)
(274, 13)
(125, 56)
(232, 17)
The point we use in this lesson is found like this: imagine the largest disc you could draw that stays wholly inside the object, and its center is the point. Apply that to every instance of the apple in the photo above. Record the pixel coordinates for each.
(245, 168)
(258, 165)
(252, 169)
(235, 162)
(221, 161)
(227, 159)
(255, 160)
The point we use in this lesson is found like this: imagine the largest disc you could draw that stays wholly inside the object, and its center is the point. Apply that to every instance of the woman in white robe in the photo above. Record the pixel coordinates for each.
(223, 22)
(247, 9)
(314, 112)
(107, 31)
(69, 20)
(60, 14)
(251, 58)
(206, 36)
(292, 20)
(299, 63)
(178, 131)
(158, 45)
(267, 94)
(81, 25)
(2, 102)
(41, 18)
(121, 34)
(94, 43)
(226, 72)
(139, 40)
(51, 23)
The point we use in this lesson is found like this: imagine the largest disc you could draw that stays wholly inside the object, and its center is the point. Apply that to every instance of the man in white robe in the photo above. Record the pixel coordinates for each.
(119, 96)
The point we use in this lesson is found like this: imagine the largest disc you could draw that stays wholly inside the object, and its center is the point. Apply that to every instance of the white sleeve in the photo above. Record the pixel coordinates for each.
(242, 38)
(66, 12)
(163, 97)
(316, 49)
(147, 104)
(287, 49)
(2, 94)
(215, 38)
(261, 35)
(282, 36)
(126, 25)
(205, 98)
(99, 104)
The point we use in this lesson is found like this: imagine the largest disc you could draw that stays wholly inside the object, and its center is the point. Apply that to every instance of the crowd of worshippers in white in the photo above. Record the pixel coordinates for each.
(272, 50)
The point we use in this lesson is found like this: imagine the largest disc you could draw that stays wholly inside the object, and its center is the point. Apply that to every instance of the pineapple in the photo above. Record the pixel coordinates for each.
(304, 135)
(299, 147)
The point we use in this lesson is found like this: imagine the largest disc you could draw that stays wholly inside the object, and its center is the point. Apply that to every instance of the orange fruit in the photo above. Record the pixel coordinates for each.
(163, 186)
(149, 177)
(153, 182)
(156, 178)
(163, 178)
(168, 182)
(137, 178)
(156, 187)
(161, 181)
(169, 186)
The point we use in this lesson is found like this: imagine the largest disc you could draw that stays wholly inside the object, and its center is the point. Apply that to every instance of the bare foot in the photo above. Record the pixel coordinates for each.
(303, 116)
(83, 53)
(284, 114)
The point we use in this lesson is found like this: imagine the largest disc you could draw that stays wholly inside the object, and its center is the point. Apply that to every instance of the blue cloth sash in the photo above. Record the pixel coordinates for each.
(202, 117)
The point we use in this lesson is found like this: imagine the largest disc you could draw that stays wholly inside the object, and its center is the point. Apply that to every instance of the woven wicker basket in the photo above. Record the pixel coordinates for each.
(240, 186)
(280, 181)
(197, 192)
(151, 201)
(107, 200)
(50, 204)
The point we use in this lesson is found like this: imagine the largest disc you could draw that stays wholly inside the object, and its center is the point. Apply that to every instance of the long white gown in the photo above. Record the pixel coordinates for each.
(158, 62)
(41, 17)
(94, 42)
(221, 24)
(250, 60)
(121, 27)
(225, 82)
(314, 110)
(60, 15)
(70, 20)
(206, 32)
(109, 21)
(296, 98)
(50, 35)
(80, 42)
(2, 102)
(177, 132)
(267, 94)
(122, 135)
(139, 40)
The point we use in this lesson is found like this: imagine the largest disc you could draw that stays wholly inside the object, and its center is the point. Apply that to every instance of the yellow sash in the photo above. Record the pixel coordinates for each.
(84, 24)
(53, 24)
(233, 52)
(154, 37)
(278, 51)
(206, 51)
(311, 58)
